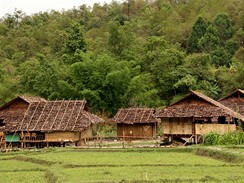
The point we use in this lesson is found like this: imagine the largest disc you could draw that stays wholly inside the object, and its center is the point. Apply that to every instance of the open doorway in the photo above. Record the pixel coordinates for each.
(2, 124)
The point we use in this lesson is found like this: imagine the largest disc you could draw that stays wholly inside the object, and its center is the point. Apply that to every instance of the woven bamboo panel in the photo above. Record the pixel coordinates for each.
(176, 126)
(202, 129)
(86, 133)
(62, 136)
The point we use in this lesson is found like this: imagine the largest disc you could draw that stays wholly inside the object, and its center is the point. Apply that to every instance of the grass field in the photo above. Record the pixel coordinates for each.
(119, 165)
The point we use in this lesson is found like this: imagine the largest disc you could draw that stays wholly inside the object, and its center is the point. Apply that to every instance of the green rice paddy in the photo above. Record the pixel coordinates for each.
(118, 165)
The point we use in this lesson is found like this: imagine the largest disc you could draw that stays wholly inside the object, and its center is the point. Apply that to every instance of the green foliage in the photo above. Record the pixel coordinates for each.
(213, 138)
(39, 77)
(221, 154)
(210, 40)
(136, 53)
(141, 92)
(75, 40)
(224, 26)
(199, 29)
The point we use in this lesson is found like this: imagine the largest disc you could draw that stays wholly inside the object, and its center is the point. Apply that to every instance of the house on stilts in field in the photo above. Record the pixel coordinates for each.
(234, 101)
(29, 121)
(196, 115)
(135, 123)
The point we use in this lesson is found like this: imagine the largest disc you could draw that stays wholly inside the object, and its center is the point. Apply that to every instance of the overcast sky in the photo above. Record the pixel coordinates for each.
(35, 6)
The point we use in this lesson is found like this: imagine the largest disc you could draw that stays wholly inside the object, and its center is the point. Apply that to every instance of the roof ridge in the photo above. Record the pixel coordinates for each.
(237, 90)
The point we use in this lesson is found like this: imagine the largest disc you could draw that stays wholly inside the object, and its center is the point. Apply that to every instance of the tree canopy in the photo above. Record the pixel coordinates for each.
(131, 54)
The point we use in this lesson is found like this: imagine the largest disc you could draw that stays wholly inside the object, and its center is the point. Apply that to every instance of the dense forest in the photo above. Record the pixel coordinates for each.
(132, 54)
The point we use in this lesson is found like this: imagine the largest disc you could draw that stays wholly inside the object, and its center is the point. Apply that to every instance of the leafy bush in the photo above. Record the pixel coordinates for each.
(233, 138)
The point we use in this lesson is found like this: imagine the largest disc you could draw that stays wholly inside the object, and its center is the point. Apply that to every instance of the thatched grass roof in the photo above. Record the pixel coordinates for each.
(57, 116)
(27, 99)
(235, 101)
(38, 114)
(197, 104)
(234, 94)
(135, 115)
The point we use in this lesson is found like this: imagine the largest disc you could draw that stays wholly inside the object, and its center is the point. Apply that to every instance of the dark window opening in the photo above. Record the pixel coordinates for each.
(1, 123)
(222, 120)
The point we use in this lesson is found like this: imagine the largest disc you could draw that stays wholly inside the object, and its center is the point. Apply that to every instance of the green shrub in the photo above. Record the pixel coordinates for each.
(232, 138)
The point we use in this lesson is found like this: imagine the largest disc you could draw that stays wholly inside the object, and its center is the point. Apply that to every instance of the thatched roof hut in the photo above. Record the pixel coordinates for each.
(28, 120)
(37, 114)
(196, 114)
(57, 116)
(198, 105)
(13, 112)
(135, 122)
(234, 101)
(135, 115)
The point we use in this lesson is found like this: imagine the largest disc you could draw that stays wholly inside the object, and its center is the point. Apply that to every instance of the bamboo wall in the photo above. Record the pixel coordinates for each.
(202, 129)
(177, 126)
(60, 136)
(86, 133)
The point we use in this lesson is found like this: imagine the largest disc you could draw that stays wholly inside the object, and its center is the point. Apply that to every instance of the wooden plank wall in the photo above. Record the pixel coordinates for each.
(136, 130)
(176, 126)
(13, 114)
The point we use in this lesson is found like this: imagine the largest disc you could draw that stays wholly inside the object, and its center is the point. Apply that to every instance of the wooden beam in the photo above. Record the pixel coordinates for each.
(126, 114)
(56, 115)
(150, 114)
(64, 114)
(142, 115)
(135, 115)
(77, 117)
(48, 115)
(40, 115)
(25, 114)
(32, 116)
(70, 115)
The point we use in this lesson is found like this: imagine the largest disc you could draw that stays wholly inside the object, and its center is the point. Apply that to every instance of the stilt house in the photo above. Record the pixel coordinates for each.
(195, 115)
(234, 101)
(135, 123)
(33, 120)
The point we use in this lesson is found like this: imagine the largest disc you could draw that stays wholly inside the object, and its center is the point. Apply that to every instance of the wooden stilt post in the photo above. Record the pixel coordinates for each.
(123, 143)
(22, 139)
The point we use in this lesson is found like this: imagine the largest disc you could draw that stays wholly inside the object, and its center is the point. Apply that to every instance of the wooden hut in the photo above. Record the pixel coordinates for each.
(135, 123)
(195, 115)
(38, 121)
(235, 101)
